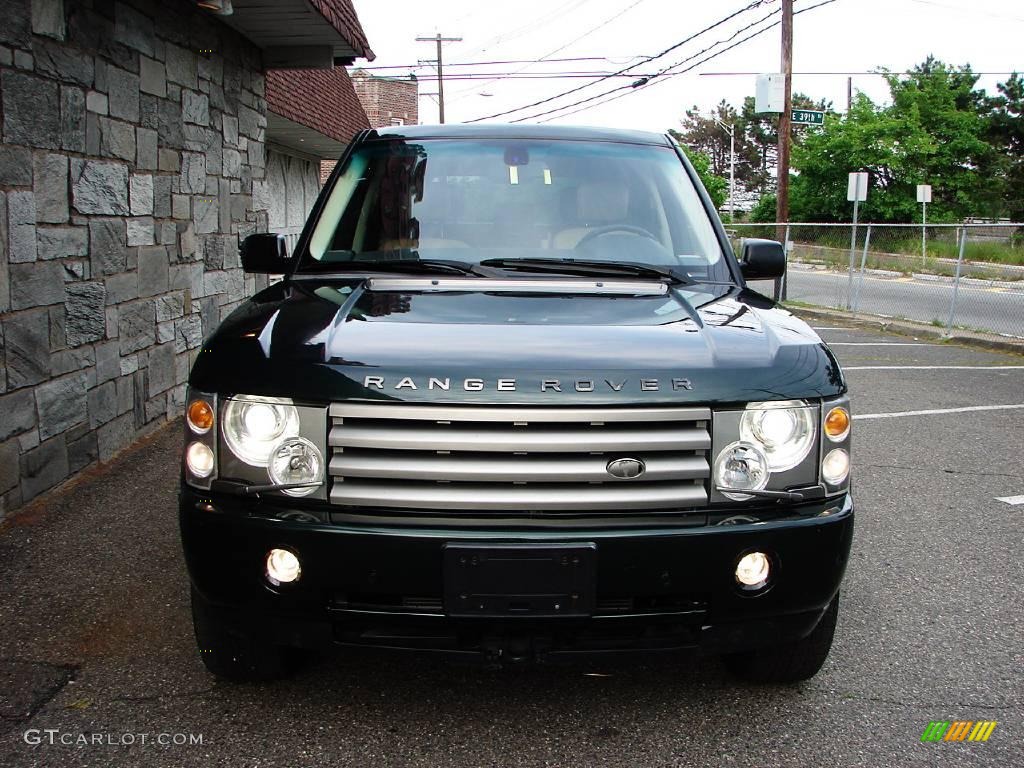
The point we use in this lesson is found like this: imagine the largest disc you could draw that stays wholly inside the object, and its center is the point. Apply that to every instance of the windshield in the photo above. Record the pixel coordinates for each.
(484, 200)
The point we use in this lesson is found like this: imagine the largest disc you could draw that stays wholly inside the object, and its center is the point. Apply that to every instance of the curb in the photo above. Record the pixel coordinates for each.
(909, 328)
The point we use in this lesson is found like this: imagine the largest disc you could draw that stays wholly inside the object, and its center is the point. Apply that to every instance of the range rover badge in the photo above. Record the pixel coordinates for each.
(625, 469)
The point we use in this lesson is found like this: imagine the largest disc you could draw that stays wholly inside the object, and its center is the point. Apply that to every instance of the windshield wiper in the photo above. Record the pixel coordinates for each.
(416, 265)
(591, 268)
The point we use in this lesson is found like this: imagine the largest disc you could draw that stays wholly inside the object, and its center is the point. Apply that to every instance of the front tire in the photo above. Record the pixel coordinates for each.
(789, 662)
(229, 651)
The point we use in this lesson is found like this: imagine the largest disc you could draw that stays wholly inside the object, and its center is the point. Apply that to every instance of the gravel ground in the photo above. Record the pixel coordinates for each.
(96, 637)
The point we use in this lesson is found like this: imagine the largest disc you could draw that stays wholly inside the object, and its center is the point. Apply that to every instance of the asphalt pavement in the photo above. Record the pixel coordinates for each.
(96, 642)
(994, 307)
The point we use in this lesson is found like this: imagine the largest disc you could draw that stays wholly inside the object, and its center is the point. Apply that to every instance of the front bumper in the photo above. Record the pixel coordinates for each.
(663, 588)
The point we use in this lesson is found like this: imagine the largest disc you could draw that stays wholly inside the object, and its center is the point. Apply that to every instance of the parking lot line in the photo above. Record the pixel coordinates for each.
(881, 344)
(938, 411)
(933, 367)
(1014, 500)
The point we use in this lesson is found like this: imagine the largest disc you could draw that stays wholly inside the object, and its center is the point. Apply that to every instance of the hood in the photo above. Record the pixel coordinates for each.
(336, 340)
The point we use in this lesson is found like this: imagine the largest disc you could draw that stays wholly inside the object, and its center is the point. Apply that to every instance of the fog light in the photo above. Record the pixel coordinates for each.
(837, 424)
(753, 569)
(836, 467)
(282, 567)
(199, 416)
(199, 459)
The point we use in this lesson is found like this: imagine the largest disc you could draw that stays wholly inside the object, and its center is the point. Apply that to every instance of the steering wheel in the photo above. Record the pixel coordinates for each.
(610, 228)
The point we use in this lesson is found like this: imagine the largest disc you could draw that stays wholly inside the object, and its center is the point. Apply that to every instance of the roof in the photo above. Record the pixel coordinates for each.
(343, 18)
(321, 99)
(518, 131)
(301, 33)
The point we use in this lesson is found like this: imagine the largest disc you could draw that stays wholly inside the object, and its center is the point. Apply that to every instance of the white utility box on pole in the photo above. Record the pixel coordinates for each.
(770, 93)
(924, 196)
(856, 192)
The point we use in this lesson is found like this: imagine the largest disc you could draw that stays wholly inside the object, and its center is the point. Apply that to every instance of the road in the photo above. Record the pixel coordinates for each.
(96, 639)
(998, 310)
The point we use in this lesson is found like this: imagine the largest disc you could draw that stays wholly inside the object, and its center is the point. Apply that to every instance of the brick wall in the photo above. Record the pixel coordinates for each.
(385, 99)
(131, 160)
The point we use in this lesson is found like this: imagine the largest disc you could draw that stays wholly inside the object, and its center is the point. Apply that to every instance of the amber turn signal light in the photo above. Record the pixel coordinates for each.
(200, 416)
(837, 424)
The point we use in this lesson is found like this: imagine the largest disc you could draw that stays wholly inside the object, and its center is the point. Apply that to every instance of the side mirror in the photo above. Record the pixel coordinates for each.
(265, 254)
(762, 259)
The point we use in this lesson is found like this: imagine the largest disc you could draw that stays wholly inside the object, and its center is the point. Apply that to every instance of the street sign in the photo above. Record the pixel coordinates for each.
(808, 117)
(857, 187)
(924, 193)
(770, 93)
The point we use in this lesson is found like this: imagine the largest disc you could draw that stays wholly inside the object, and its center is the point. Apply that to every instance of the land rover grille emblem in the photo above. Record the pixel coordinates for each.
(626, 469)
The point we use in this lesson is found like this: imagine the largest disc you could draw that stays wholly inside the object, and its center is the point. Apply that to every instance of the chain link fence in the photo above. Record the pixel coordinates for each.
(955, 276)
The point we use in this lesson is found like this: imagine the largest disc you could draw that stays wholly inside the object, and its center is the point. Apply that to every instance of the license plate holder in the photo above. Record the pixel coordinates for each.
(520, 580)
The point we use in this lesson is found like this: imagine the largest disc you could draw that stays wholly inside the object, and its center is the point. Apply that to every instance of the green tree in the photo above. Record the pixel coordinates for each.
(709, 134)
(717, 187)
(1006, 132)
(761, 132)
(933, 133)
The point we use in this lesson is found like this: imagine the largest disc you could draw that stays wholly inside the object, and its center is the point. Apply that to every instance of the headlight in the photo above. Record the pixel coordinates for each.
(785, 430)
(200, 460)
(836, 466)
(252, 426)
(741, 467)
(296, 460)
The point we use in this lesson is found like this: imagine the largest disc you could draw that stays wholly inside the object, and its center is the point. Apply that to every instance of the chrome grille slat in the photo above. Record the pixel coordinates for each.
(518, 459)
(496, 496)
(509, 469)
(434, 437)
(527, 415)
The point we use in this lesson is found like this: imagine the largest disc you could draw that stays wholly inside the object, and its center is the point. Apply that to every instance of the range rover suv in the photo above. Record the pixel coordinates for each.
(514, 398)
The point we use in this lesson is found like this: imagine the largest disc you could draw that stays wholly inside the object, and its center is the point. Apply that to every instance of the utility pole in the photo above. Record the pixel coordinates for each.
(849, 95)
(782, 191)
(440, 76)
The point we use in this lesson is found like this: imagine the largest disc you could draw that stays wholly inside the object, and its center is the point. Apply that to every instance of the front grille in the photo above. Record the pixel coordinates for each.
(516, 459)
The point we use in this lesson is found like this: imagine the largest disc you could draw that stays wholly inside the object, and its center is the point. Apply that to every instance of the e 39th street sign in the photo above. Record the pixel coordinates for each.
(808, 117)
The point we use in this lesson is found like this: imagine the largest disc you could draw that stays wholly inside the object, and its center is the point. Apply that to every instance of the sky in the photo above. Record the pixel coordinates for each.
(848, 36)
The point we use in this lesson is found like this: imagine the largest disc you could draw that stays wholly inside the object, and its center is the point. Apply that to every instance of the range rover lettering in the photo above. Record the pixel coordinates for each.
(513, 398)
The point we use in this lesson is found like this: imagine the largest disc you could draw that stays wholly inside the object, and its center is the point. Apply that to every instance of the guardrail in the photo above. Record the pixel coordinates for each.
(951, 275)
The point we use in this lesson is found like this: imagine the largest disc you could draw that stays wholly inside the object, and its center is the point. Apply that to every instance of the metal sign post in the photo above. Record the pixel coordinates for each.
(856, 191)
(924, 196)
(956, 281)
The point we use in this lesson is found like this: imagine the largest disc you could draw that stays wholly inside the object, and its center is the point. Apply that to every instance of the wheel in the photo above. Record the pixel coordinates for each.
(230, 652)
(789, 662)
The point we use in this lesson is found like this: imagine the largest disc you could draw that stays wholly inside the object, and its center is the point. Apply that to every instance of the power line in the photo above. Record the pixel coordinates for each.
(571, 42)
(419, 65)
(506, 36)
(644, 81)
(847, 74)
(625, 69)
(617, 93)
(487, 76)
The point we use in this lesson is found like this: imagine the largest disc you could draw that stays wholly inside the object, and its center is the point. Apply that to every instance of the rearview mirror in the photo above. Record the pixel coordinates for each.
(762, 259)
(265, 254)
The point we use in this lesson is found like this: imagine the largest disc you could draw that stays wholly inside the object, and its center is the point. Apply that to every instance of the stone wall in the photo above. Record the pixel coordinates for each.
(293, 184)
(132, 159)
